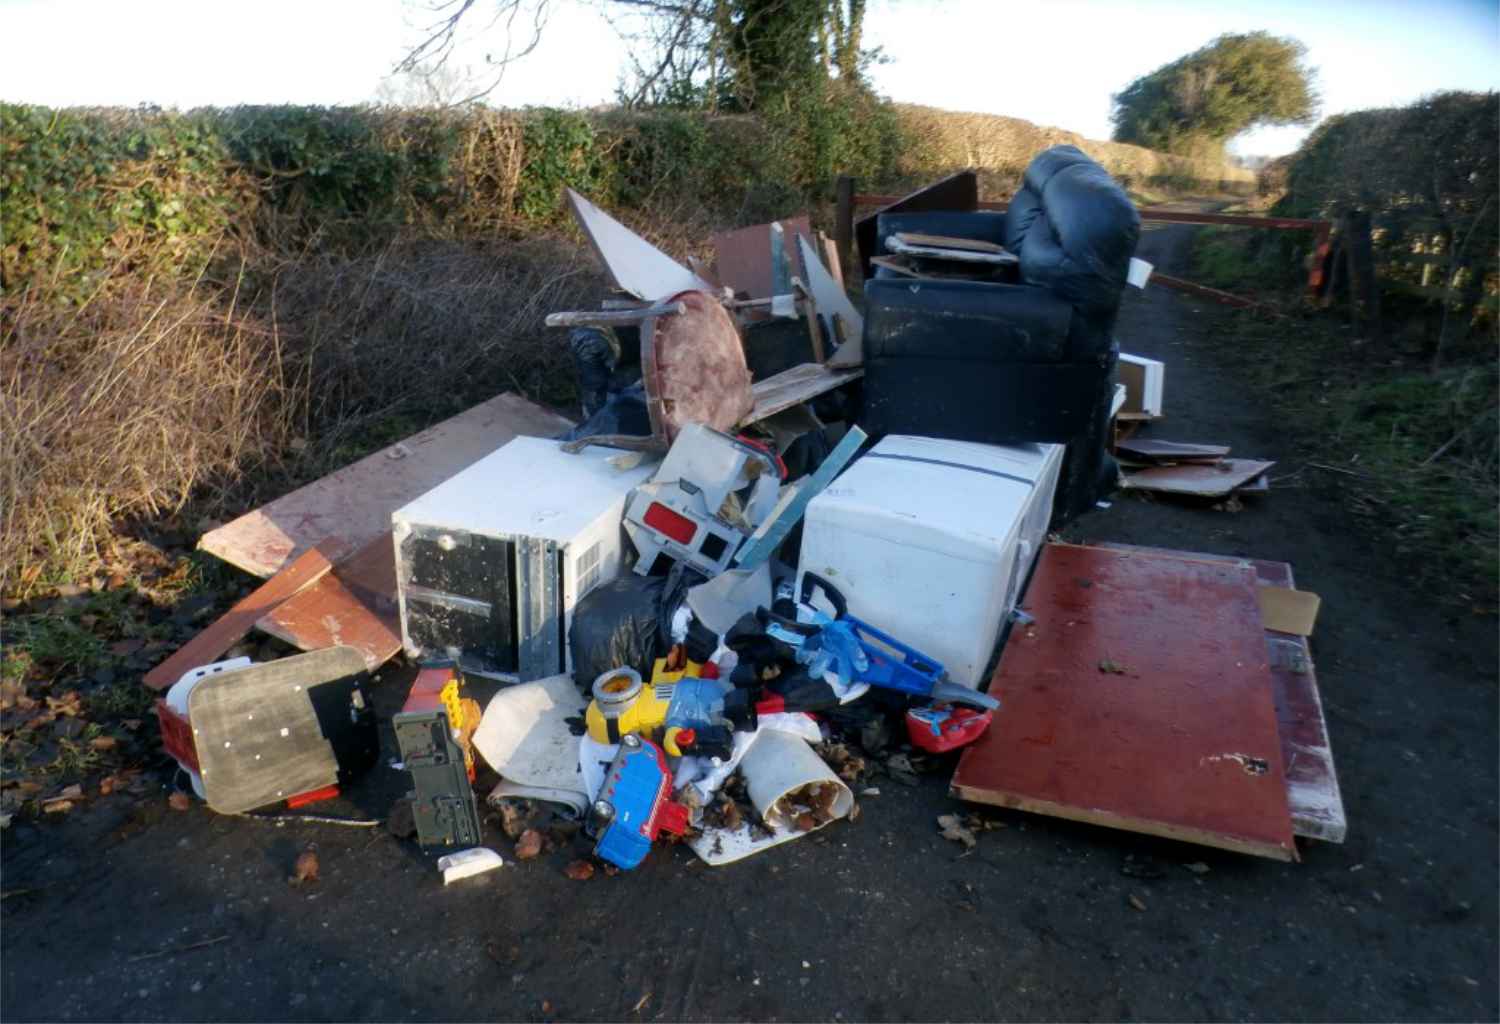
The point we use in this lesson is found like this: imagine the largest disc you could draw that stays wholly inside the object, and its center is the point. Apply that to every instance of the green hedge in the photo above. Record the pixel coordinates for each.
(98, 191)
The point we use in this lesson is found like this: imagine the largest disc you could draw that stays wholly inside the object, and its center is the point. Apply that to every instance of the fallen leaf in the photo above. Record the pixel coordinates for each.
(131, 723)
(805, 823)
(512, 818)
(1136, 902)
(640, 1004)
(306, 868)
(179, 801)
(854, 812)
(73, 792)
(529, 845)
(103, 742)
(954, 831)
(57, 806)
(579, 870)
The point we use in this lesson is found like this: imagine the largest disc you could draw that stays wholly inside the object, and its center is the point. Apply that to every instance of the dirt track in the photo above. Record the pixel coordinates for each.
(891, 922)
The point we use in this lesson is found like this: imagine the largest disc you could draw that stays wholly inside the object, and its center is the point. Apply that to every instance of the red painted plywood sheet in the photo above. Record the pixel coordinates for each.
(356, 502)
(1140, 698)
(1312, 782)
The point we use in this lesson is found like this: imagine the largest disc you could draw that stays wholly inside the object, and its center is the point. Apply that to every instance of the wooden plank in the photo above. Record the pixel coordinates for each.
(831, 257)
(958, 192)
(236, 623)
(613, 317)
(839, 317)
(1139, 698)
(1312, 784)
(898, 243)
(1313, 794)
(1203, 481)
(948, 242)
(743, 257)
(354, 605)
(1364, 291)
(1150, 448)
(356, 502)
(795, 386)
(843, 217)
(890, 263)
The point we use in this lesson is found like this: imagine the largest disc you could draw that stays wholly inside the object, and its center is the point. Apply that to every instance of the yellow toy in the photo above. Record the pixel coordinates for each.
(623, 704)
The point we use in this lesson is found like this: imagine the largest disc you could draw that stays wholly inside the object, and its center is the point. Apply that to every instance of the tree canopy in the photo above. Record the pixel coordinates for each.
(1197, 103)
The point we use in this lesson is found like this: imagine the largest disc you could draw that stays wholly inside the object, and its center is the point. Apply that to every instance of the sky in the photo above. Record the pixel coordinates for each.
(1054, 62)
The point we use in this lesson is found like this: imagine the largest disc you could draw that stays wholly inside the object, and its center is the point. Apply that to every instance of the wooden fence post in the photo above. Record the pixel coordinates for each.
(1364, 290)
(843, 217)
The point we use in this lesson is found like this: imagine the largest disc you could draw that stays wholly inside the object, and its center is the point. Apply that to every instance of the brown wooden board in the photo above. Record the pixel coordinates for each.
(1312, 783)
(354, 605)
(1151, 449)
(233, 625)
(1205, 481)
(1140, 698)
(743, 258)
(356, 502)
(959, 192)
(949, 242)
(795, 386)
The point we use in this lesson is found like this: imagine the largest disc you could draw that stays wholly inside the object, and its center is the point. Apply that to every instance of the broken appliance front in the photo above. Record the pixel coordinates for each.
(490, 563)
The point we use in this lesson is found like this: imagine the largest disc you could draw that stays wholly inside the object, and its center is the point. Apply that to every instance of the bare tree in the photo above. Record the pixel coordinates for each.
(683, 52)
(441, 37)
(447, 85)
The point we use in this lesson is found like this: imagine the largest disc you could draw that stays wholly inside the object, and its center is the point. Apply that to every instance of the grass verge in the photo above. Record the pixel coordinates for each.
(1416, 452)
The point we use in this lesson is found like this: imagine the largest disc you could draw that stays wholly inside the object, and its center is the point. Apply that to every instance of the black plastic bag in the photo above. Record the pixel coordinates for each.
(616, 626)
(627, 623)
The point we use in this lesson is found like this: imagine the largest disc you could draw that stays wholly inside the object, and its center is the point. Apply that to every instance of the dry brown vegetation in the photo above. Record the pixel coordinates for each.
(122, 408)
(157, 394)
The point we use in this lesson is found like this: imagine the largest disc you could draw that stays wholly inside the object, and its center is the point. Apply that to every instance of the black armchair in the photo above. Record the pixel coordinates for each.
(1007, 363)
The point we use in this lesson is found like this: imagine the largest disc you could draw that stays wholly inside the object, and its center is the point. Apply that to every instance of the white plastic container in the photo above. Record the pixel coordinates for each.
(176, 702)
(931, 541)
(778, 765)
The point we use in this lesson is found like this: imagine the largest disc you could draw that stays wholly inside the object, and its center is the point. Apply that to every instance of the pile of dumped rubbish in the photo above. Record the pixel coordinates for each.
(787, 535)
